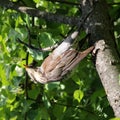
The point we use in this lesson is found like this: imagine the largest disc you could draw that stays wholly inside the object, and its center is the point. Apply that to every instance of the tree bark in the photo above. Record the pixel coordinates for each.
(107, 59)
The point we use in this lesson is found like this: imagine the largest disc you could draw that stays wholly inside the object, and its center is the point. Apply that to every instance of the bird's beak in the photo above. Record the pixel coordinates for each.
(26, 66)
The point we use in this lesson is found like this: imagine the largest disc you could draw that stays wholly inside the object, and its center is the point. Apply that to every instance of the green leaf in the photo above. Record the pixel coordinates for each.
(3, 76)
(46, 101)
(58, 111)
(78, 95)
(114, 119)
(46, 39)
(97, 94)
(33, 93)
(35, 54)
(52, 86)
(42, 114)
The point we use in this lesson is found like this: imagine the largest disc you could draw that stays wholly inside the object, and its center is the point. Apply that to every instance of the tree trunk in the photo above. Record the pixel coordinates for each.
(107, 59)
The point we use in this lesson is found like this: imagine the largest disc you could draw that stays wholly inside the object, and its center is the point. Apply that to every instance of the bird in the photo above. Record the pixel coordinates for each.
(62, 60)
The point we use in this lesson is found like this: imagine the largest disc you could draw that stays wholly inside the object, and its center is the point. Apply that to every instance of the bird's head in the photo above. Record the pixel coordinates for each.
(35, 74)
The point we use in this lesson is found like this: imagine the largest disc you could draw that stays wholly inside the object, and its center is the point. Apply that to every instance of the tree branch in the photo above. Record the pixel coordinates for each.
(100, 27)
(41, 14)
(65, 2)
(35, 48)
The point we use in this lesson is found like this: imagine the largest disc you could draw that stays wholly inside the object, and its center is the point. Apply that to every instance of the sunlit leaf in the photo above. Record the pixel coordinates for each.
(115, 119)
(78, 95)
(35, 54)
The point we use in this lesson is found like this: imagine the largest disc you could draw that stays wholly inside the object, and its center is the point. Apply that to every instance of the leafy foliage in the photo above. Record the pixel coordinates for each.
(77, 98)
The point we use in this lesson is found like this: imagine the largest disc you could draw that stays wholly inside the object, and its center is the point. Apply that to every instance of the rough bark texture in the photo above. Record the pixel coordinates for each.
(107, 60)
